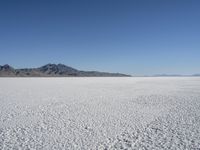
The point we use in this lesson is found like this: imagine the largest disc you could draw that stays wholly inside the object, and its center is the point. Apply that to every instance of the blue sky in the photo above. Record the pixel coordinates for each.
(139, 37)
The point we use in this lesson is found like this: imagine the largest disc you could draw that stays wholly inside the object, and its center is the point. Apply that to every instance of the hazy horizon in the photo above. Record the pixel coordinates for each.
(133, 37)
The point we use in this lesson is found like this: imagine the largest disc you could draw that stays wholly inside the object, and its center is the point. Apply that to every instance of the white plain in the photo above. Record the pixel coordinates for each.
(100, 113)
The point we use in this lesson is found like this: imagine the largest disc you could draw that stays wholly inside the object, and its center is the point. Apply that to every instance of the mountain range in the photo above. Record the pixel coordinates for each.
(53, 70)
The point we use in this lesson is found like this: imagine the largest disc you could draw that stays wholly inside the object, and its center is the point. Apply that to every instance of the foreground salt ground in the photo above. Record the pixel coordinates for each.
(100, 113)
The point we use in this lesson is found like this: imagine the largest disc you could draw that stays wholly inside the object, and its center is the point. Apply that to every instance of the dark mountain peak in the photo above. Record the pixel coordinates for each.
(47, 66)
(55, 66)
(6, 67)
(57, 69)
(66, 68)
(61, 65)
(7, 71)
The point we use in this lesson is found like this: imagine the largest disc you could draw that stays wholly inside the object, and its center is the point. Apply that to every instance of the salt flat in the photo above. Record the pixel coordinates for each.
(100, 113)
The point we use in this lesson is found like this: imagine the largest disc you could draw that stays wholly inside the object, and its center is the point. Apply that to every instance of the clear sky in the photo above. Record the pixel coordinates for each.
(138, 37)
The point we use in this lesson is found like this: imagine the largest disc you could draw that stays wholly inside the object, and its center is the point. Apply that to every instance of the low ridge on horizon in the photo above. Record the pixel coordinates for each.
(53, 70)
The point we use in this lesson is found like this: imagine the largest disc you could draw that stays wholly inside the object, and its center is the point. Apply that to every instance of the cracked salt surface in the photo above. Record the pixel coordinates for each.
(100, 113)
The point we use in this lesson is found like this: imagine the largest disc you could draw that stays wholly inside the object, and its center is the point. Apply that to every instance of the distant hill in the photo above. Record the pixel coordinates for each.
(176, 75)
(196, 75)
(168, 75)
(53, 70)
